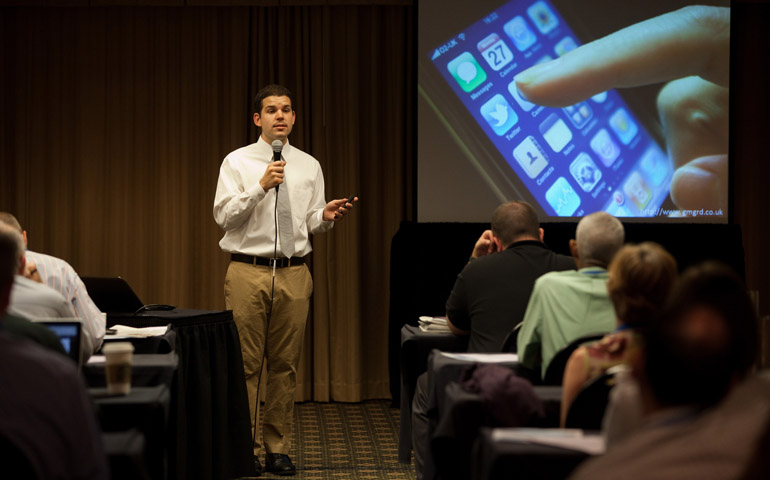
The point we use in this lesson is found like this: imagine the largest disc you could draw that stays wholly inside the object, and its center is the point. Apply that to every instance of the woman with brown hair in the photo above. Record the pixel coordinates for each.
(640, 279)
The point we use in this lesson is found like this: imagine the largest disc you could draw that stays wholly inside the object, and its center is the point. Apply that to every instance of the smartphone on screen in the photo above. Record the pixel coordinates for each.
(595, 155)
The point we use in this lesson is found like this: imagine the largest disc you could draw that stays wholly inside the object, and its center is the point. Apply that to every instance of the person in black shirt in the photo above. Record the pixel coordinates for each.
(489, 298)
(491, 293)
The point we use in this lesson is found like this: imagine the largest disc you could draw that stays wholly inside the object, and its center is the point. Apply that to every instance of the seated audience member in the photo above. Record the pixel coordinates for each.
(565, 306)
(30, 299)
(60, 276)
(640, 279)
(491, 293)
(21, 327)
(45, 411)
(489, 297)
(702, 417)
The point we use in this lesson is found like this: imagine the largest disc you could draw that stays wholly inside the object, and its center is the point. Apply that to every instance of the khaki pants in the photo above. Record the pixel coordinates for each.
(247, 294)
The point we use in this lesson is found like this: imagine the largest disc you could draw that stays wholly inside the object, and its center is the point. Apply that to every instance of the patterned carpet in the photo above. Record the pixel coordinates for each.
(346, 440)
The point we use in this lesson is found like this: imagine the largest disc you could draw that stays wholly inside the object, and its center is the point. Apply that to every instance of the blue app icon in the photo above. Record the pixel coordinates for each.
(562, 197)
(499, 114)
(603, 145)
(520, 34)
(530, 155)
(542, 16)
(565, 45)
(579, 114)
(585, 172)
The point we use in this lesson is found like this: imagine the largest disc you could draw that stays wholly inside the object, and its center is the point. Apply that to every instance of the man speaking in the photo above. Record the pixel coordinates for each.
(270, 198)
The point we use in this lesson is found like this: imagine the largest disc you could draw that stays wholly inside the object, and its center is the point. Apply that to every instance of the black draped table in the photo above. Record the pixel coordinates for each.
(145, 409)
(165, 343)
(147, 370)
(416, 345)
(209, 404)
(495, 458)
(461, 417)
(125, 453)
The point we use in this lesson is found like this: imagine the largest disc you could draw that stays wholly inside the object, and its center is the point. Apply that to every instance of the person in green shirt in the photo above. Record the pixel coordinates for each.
(565, 306)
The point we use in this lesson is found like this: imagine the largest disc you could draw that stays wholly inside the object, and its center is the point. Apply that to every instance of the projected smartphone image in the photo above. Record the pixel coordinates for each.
(599, 154)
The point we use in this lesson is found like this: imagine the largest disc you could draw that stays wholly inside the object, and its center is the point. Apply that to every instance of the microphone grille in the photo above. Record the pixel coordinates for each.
(277, 145)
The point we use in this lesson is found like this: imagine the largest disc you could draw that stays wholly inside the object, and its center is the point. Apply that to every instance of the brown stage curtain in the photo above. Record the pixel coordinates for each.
(116, 119)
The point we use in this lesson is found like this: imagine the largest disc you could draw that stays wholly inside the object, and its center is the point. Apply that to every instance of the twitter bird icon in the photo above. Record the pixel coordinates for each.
(499, 114)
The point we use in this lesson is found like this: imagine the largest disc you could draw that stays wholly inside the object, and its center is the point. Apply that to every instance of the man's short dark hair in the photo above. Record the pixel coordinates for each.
(271, 91)
(514, 220)
(696, 366)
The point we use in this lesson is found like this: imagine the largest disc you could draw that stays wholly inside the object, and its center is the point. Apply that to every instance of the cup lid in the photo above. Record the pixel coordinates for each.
(117, 347)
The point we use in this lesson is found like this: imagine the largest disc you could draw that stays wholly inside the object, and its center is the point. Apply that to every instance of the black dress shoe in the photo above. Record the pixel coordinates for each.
(258, 466)
(279, 464)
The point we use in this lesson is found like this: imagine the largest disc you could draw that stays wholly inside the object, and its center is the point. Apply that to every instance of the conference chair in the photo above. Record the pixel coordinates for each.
(509, 345)
(461, 419)
(555, 370)
(587, 410)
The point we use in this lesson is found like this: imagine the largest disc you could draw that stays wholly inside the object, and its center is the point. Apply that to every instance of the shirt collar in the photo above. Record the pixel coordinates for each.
(522, 243)
(593, 271)
(267, 149)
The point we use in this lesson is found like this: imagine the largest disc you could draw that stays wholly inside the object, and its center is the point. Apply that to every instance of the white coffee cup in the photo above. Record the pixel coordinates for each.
(118, 356)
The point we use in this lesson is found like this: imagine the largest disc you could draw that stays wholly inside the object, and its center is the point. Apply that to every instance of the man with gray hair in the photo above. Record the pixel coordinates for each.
(565, 306)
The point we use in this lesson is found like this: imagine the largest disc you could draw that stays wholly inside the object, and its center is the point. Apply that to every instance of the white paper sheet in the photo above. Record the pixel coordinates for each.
(484, 357)
(572, 439)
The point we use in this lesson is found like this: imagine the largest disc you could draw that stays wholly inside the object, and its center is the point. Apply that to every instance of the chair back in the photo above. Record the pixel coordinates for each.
(509, 345)
(587, 410)
(555, 370)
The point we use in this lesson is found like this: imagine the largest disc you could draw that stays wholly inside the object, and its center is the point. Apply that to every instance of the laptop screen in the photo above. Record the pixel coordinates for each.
(112, 294)
(69, 332)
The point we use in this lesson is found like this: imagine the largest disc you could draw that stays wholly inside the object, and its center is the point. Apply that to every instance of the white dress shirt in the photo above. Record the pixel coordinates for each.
(59, 275)
(246, 212)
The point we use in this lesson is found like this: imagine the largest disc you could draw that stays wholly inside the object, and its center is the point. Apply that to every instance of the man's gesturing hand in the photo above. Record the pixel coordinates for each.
(336, 209)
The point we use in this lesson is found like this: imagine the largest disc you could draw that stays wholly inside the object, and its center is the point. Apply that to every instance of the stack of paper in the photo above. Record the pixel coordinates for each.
(124, 331)
(433, 324)
(572, 439)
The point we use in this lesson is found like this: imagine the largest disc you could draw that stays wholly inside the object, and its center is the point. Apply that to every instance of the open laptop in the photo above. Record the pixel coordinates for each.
(69, 331)
(115, 295)
(112, 294)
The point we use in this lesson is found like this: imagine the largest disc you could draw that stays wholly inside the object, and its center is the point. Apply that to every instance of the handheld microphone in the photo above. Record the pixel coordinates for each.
(277, 147)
